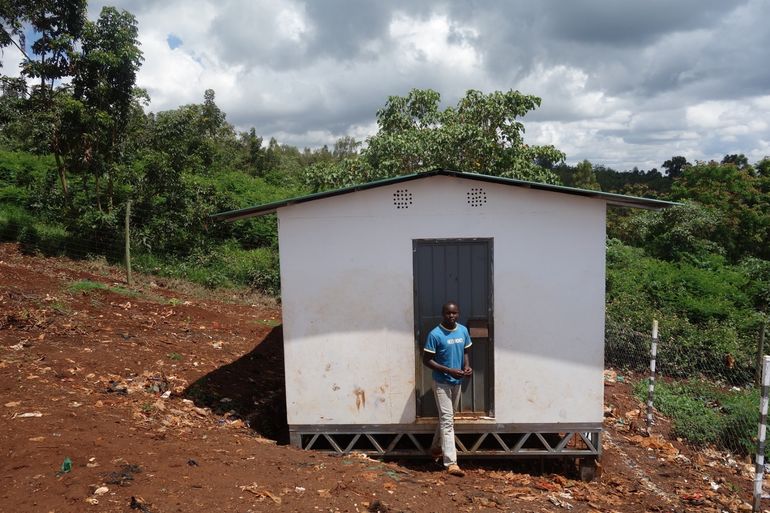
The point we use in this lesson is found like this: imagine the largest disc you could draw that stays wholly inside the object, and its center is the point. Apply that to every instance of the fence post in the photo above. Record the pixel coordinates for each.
(760, 353)
(760, 457)
(128, 243)
(651, 388)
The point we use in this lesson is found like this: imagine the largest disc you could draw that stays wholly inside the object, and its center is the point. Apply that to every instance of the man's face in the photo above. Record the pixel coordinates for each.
(450, 314)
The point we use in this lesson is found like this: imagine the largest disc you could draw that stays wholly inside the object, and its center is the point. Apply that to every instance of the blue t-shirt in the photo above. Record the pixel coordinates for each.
(448, 347)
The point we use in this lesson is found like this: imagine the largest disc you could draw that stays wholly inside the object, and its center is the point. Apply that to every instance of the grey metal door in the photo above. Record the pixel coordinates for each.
(457, 270)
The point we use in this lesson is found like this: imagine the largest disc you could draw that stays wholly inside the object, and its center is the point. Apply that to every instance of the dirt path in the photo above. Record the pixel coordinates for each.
(171, 400)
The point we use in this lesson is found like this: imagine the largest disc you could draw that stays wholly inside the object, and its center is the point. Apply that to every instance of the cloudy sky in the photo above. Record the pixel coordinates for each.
(623, 83)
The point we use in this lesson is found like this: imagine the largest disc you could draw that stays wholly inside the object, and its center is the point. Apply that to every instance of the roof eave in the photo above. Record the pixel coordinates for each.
(612, 199)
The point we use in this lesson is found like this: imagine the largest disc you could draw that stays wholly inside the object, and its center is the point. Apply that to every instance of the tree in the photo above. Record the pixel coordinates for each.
(481, 134)
(213, 117)
(738, 160)
(105, 74)
(739, 198)
(253, 154)
(58, 25)
(762, 167)
(675, 166)
(584, 177)
(346, 147)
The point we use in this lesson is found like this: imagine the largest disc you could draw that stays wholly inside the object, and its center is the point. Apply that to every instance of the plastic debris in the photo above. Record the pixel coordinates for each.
(66, 467)
(27, 415)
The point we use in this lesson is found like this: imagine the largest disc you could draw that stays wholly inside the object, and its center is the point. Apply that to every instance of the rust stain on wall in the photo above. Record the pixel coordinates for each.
(360, 398)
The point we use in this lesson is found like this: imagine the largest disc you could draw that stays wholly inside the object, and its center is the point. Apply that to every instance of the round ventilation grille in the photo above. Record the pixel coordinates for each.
(402, 198)
(476, 197)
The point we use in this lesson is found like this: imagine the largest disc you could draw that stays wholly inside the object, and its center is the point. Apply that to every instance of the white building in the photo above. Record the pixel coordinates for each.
(364, 272)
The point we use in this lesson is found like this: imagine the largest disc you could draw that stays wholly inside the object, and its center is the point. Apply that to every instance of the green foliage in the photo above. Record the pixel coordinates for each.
(675, 233)
(481, 134)
(13, 221)
(49, 240)
(705, 308)
(705, 414)
(227, 265)
(741, 200)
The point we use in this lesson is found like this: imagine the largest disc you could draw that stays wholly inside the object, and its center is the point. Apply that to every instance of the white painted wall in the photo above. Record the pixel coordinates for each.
(347, 293)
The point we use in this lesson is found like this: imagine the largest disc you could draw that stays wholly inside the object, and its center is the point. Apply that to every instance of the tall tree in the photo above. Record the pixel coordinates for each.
(584, 177)
(57, 25)
(105, 74)
(675, 166)
(481, 134)
(738, 160)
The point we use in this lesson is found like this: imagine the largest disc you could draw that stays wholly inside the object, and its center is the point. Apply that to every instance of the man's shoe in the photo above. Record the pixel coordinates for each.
(455, 471)
(436, 452)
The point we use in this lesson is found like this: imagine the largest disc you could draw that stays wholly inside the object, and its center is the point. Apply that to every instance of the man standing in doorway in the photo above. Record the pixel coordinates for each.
(446, 352)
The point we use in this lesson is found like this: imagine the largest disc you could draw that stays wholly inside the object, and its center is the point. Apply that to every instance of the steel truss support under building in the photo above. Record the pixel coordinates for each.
(473, 439)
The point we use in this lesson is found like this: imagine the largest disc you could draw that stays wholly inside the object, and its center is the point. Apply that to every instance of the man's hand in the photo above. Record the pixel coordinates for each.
(456, 373)
(467, 371)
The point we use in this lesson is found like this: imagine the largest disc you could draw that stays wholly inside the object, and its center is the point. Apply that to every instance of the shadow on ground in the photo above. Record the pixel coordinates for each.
(251, 388)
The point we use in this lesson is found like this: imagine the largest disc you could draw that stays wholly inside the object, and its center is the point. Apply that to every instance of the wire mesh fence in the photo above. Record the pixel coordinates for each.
(710, 401)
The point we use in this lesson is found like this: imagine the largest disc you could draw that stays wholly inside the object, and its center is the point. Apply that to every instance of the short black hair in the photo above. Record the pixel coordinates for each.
(448, 304)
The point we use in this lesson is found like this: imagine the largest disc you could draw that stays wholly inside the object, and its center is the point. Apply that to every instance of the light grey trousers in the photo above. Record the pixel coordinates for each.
(447, 400)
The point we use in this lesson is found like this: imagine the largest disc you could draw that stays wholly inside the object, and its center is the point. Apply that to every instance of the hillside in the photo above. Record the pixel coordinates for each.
(167, 397)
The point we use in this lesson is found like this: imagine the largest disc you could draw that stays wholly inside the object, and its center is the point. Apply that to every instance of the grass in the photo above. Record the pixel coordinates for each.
(174, 356)
(268, 322)
(704, 413)
(87, 286)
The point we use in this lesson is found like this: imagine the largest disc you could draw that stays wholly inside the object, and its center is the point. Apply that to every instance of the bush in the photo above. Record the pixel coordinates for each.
(46, 239)
(708, 322)
(13, 220)
(226, 265)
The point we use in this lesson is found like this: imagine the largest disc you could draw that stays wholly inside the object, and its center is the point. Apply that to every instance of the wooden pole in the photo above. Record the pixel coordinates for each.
(760, 457)
(129, 280)
(651, 388)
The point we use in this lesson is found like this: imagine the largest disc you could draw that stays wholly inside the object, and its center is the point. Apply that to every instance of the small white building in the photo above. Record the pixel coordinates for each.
(364, 272)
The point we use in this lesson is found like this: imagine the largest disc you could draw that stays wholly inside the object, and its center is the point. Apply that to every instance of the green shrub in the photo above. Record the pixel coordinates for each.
(45, 239)
(226, 265)
(13, 220)
(705, 307)
(705, 414)
(13, 195)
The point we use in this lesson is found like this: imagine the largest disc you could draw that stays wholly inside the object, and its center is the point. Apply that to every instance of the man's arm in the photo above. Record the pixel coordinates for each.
(467, 371)
(428, 361)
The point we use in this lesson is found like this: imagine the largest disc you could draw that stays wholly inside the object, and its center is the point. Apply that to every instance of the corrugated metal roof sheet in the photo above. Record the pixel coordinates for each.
(612, 199)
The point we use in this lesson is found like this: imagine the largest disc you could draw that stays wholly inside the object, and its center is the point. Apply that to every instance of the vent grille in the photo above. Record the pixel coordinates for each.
(477, 197)
(402, 198)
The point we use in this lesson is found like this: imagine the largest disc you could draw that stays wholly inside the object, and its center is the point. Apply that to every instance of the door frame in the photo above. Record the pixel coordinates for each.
(490, 313)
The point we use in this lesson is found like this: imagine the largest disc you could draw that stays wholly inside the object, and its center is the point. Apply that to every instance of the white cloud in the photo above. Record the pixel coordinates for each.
(436, 41)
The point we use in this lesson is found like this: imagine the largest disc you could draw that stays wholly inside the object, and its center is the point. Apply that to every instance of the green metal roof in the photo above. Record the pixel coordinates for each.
(612, 199)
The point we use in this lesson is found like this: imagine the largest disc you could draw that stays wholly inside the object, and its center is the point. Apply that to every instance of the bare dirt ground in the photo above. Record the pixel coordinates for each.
(167, 399)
